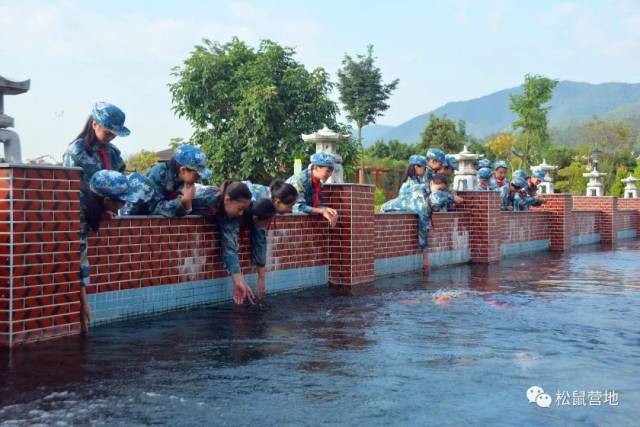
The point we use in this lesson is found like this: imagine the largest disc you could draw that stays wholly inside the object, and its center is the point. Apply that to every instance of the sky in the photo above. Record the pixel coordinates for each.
(122, 51)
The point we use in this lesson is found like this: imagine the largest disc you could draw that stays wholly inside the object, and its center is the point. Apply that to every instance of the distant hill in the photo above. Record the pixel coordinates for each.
(572, 103)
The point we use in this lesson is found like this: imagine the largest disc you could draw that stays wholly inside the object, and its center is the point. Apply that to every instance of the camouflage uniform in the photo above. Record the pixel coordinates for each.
(167, 189)
(513, 202)
(303, 182)
(206, 203)
(412, 197)
(93, 159)
(111, 184)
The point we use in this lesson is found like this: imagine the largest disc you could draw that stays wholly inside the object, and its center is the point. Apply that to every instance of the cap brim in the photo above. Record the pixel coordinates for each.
(123, 131)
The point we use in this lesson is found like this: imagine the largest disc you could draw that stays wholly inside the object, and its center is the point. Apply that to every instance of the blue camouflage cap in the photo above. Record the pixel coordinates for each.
(500, 164)
(110, 117)
(439, 198)
(451, 162)
(485, 173)
(435, 154)
(140, 187)
(519, 181)
(111, 184)
(485, 163)
(193, 158)
(538, 174)
(417, 159)
(324, 159)
(520, 173)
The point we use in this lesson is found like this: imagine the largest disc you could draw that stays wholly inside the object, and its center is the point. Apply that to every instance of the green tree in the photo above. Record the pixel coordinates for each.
(142, 161)
(378, 149)
(570, 179)
(249, 106)
(444, 133)
(532, 109)
(362, 91)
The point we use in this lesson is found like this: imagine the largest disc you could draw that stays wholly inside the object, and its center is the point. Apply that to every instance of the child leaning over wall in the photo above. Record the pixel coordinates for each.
(227, 205)
(309, 185)
(413, 196)
(108, 192)
(280, 197)
(173, 182)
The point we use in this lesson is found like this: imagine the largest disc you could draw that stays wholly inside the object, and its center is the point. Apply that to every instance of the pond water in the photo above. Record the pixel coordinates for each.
(459, 347)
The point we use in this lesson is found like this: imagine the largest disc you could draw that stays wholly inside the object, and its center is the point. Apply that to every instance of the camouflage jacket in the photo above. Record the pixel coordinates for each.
(166, 192)
(80, 155)
(306, 192)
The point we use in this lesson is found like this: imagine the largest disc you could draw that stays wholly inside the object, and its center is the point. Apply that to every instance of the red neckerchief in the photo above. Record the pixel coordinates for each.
(105, 158)
(171, 195)
(500, 182)
(315, 183)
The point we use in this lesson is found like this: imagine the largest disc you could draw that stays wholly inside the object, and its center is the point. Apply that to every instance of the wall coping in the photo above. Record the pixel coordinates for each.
(350, 184)
(30, 166)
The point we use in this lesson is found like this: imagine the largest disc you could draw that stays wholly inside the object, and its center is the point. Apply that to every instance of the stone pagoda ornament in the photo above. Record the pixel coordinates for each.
(466, 176)
(9, 138)
(546, 186)
(327, 140)
(595, 188)
(630, 190)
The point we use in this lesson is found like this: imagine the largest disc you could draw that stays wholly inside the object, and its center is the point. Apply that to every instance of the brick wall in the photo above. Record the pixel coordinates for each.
(609, 217)
(585, 223)
(525, 226)
(123, 254)
(628, 220)
(396, 235)
(39, 253)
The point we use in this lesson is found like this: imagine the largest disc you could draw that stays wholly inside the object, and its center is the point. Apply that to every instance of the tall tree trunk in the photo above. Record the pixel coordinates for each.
(361, 174)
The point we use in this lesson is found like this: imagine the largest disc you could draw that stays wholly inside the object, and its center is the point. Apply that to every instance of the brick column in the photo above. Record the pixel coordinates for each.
(608, 206)
(561, 208)
(352, 240)
(485, 233)
(39, 253)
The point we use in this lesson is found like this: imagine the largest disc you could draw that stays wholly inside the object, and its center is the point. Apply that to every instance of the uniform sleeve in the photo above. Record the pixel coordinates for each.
(229, 230)
(301, 205)
(258, 237)
(504, 198)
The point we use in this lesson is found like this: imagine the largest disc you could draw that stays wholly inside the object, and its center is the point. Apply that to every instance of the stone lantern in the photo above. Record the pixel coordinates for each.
(631, 190)
(466, 175)
(10, 139)
(595, 188)
(327, 140)
(546, 186)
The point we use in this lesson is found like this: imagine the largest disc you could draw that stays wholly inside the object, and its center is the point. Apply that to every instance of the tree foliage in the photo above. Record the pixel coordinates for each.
(142, 161)
(362, 92)
(570, 179)
(444, 133)
(532, 108)
(249, 107)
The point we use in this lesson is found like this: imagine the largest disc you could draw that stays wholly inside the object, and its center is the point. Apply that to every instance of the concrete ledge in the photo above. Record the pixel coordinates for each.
(585, 239)
(518, 248)
(109, 307)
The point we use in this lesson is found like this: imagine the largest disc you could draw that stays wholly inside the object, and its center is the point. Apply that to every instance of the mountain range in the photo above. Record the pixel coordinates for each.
(572, 104)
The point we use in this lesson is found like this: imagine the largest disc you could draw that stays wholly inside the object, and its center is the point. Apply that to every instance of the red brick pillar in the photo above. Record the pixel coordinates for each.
(352, 240)
(485, 234)
(39, 253)
(608, 206)
(561, 208)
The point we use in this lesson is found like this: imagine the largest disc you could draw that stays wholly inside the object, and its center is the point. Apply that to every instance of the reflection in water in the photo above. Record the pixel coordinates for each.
(391, 352)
